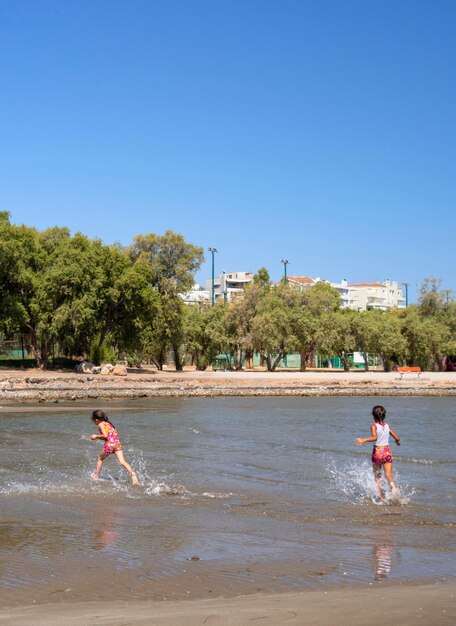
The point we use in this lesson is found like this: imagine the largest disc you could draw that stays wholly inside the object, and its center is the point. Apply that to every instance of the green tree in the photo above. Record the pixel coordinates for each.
(19, 266)
(388, 339)
(314, 302)
(427, 339)
(450, 322)
(363, 328)
(431, 298)
(30, 298)
(271, 326)
(173, 263)
(303, 334)
(205, 331)
(172, 260)
(321, 298)
(65, 293)
(153, 340)
(240, 316)
(335, 335)
(174, 310)
(262, 278)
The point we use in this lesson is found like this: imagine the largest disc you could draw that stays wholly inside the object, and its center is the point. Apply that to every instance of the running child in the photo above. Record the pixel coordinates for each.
(381, 454)
(112, 444)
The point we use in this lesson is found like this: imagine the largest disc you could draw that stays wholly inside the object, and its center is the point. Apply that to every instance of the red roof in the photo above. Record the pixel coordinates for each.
(367, 285)
(301, 279)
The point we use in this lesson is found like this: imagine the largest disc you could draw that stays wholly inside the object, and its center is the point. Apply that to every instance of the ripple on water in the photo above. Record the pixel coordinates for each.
(267, 493)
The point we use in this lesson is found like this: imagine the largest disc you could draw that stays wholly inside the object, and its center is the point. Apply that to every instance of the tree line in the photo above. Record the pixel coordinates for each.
(277, 320)
(78, 297)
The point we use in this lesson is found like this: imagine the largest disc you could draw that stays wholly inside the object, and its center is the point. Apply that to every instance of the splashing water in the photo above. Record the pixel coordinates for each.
(62, 482)
(354, 482)
(152, 486)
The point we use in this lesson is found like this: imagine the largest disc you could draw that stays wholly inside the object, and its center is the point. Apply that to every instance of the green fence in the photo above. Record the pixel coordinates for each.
(293, 361)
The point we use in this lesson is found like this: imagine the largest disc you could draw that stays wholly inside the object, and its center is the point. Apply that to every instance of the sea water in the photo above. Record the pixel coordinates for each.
(237, 495)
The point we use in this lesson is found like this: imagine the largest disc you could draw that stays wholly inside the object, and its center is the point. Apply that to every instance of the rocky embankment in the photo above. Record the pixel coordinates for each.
(33, 387)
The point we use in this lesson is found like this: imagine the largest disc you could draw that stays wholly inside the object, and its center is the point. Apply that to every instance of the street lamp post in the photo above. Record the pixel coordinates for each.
(406, 285)
(285, 263)
(213, 251)
(225, 295)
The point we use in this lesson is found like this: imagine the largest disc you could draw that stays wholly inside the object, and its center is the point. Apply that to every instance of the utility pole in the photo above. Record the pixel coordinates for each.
(285, 263)
(447, 296)
(213, 251)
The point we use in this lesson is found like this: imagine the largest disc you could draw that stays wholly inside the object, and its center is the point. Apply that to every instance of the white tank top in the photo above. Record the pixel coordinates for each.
(383, 431)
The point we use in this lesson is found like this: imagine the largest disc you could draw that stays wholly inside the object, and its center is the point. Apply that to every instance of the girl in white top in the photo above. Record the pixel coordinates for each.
(381, 454)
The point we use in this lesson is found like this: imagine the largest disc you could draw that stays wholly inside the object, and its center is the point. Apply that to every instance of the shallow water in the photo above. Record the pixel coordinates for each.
(237, 495)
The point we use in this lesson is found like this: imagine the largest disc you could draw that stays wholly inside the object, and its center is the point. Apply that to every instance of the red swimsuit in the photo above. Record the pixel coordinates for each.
(112, 443)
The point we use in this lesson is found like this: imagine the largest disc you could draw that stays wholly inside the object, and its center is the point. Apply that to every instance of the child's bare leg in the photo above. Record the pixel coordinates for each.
(123, 462)
(100, 460)
(378, 480)
(389, 477)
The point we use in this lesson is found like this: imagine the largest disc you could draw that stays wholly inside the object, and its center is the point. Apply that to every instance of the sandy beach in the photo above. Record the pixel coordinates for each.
(402, 605)
(33, 386)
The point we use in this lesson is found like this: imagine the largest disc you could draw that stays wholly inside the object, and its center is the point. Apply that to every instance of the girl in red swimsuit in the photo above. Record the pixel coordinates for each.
(381, 454)
(112, 444)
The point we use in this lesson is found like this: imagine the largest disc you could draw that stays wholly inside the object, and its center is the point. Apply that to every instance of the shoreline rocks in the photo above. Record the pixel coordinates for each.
(49, 387)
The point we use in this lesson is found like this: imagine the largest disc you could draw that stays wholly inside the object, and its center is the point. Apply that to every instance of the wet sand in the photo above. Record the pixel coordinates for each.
(401, 604)
(35, 386)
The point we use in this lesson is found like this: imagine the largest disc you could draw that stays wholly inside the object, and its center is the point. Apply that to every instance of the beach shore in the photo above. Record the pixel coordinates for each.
(430, 600)
(399, 604)
(32, 386)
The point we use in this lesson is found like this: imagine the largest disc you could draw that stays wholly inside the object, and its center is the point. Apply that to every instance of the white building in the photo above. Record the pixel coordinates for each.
(196, 295)
(383, 296)
(304, 282)
(227, 284)
(357, 296)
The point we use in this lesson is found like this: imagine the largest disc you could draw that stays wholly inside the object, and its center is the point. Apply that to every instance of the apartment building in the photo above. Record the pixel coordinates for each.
(304, 282)
(382, 296)
(357, 296)
(228, 283)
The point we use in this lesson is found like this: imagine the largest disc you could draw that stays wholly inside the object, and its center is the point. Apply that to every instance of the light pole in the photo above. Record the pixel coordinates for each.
(285, 263)
(213, 251)
(224, 287)
(406, 285)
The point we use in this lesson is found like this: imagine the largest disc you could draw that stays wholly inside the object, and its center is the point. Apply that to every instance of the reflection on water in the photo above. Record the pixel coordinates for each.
(236, 495)
(383, 554)
(105, 532)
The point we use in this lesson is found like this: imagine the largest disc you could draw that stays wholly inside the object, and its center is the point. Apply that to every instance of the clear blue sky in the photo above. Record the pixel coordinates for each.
(322, 131)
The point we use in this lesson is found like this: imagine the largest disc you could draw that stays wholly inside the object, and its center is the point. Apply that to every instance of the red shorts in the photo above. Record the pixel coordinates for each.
(109, 448)
(381, 455)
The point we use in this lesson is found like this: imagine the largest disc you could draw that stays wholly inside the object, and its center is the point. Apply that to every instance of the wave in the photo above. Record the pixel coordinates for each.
(405, 459)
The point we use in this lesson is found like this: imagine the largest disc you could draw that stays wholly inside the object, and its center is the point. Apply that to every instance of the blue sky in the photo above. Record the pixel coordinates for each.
(318, 131)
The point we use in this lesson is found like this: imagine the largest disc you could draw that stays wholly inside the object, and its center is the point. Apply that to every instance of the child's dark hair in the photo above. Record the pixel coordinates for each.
(100, 415)
(379, 413)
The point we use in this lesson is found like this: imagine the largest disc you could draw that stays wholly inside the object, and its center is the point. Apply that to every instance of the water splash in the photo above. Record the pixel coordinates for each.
(354, 482)
(151, 485)
(155, 488)
(77, 482)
